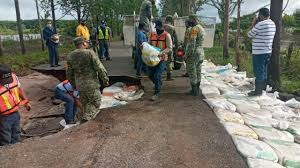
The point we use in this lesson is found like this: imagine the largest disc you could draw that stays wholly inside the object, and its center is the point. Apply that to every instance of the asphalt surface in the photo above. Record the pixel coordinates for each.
(177, 131)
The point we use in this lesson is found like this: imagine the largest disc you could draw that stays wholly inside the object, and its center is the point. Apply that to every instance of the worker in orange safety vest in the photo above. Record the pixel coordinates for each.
(11, 96)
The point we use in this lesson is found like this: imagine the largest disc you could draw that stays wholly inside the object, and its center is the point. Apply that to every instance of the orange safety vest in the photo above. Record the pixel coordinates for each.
(159, 41)
(9, 97)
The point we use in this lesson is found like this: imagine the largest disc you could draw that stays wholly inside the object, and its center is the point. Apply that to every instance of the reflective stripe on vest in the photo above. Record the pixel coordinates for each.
(159, 41)
(101, 36)
(9, 97)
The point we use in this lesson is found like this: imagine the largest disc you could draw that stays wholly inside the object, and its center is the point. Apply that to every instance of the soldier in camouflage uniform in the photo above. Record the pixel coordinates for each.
(169, 27)
(146, 14)
(186, 37)
(83, 70)
(195, 54)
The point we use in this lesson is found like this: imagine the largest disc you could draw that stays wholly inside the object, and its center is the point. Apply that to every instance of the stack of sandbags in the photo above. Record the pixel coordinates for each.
(220, 103)
(260, 163)
(235, 129)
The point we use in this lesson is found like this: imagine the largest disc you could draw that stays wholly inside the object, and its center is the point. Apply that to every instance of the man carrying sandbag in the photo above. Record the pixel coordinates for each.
(162, 40)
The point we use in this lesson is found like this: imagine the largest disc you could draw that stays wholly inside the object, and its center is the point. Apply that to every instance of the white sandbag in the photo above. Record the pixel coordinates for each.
(210, 91)
(281, 125)
(239, 130)
(150, 54)
(256, 121)
(252, 111)
(113, 89)
(294, 128)
(287, 152)
(270, 102)
(245, 102)
(293, 103)
(107, 102)
(228, 116)
(272, 133)
(260, 163)
(220, 103)
(251, 148)
(129, 96)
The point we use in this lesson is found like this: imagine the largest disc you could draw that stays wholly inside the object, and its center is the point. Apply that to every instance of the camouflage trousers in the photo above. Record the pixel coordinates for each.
(170, 63)
(91, 101)
(193, 67)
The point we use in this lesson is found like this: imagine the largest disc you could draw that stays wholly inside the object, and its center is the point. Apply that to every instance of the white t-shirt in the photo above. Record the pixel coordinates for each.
(67, 87)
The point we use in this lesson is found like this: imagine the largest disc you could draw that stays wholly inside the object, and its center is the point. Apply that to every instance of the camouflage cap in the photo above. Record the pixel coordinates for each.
(79, 40)
(169, 18)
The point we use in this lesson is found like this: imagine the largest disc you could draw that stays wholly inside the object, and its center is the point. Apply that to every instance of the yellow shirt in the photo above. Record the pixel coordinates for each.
(83, 31)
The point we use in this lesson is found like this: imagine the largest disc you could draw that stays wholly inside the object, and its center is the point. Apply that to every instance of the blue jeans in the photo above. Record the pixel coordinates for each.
(70, 107)
(140, 65)
(10, 129)
(53, 54)
(260, 66)
(155, 74)
(103, 45)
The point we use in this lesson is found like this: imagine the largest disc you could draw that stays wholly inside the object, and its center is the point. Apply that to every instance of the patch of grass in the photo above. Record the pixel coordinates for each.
(22, 64)
(289, 85)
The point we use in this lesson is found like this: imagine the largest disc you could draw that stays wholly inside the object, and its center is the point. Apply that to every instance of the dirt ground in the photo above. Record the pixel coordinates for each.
(177, 131)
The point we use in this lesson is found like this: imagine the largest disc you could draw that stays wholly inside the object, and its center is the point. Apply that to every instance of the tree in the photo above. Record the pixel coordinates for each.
(40, 25)
(182, 8)
(225, 9)
(226, 31)
(19, 26)
(274, 70)
(237, 36)
(288, 21)
(297, 17)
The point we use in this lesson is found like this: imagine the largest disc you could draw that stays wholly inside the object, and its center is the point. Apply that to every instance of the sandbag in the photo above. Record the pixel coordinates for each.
(150, 54)
(272, 133)
(293, 103)
(287, 152)
(245, 102)
(113, 89)
(270, 102)
(129, 95)
(239, 130)
(228, 116)
(107, 102)
(260, 163)
(251, 148)
(256, 121)
(210, 91)
(220, 103)
(294, 128)
(252, 111)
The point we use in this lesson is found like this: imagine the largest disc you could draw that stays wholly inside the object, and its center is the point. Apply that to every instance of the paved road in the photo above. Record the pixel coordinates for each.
(178, 131)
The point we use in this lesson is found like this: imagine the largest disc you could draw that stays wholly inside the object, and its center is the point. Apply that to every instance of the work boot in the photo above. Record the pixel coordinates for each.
(259, 85)
(194, 91)
(169, 77)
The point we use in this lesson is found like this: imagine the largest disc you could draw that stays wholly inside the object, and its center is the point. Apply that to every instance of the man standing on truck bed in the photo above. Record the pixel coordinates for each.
(146, 14)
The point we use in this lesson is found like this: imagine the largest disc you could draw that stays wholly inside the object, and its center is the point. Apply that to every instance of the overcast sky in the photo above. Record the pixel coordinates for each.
(28, 11)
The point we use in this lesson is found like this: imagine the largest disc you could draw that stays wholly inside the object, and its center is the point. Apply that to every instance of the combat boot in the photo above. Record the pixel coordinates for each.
(169, 77)
(198, 87)
(194, 91)
(259, 85)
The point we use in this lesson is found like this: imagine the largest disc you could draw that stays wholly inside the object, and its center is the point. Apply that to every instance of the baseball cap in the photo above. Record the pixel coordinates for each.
(158, 24)
(5, 74)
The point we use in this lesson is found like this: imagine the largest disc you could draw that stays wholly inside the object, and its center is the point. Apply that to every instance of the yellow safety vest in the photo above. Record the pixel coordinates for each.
(101, 35)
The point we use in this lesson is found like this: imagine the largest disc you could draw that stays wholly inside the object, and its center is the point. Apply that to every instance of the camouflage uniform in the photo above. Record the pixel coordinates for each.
(145, 14)
(171, 30)
(195, 54)
(83, 70)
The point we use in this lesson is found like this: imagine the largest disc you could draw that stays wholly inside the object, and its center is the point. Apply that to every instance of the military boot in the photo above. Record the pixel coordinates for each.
(194, 91)
(259, 85)
(199, 90)
(169, 77)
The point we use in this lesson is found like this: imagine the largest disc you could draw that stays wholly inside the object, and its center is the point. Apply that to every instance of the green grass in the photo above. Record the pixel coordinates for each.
(22, 64)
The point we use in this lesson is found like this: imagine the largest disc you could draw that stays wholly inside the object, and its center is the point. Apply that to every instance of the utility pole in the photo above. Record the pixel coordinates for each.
(19, 26)
(274, 70)
(40, 25)
(53, 16)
